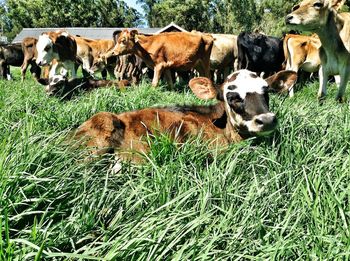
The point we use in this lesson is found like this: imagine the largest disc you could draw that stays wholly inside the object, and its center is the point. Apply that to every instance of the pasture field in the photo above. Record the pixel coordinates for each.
(282, 198)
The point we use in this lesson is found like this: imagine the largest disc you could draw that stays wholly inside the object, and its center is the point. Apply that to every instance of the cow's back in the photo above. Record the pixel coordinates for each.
(178, 48)
(224, 50)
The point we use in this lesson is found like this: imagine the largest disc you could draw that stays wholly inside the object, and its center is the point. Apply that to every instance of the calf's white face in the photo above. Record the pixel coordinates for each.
(247, 104)
(44, 48)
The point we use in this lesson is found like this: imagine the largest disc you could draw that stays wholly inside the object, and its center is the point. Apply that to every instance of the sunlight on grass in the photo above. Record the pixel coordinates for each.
(285, 197)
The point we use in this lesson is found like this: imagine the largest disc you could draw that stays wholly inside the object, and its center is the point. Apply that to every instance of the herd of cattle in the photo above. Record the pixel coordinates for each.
(260, 63)
(211, 54)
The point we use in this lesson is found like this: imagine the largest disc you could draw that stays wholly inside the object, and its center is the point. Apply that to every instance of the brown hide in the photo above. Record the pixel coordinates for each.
(301, 52)
(179, 51)
(126, 132)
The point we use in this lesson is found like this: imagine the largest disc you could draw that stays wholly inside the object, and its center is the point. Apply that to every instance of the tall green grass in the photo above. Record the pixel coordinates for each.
(285, 197)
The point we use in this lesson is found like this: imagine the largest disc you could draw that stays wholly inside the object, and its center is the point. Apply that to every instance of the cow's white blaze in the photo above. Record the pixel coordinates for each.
(245, 83)
(44, 48)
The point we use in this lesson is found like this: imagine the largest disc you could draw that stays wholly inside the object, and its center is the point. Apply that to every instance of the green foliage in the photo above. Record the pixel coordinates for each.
(228, 16)
(281, 198)
(67, 13)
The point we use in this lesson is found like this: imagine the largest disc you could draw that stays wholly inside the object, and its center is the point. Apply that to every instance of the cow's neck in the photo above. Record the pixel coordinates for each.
(140, 50)
(330, 37)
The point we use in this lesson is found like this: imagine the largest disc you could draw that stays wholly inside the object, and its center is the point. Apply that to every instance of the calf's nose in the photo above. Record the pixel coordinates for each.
(288, 18)
(267, 121)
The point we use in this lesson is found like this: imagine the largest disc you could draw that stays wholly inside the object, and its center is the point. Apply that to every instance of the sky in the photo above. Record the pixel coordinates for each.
(132, 3)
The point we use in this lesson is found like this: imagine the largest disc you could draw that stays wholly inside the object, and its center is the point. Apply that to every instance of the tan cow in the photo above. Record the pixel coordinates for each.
(333, 29)
(223, 57)
(89, 50)
(30, 54)
(301, 53)
(179, 51)
(242, 112)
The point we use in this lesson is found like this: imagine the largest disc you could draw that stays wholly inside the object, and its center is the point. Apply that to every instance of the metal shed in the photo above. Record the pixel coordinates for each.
(94, 33)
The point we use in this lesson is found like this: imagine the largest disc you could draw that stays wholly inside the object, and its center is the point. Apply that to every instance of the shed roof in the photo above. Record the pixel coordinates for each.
(93, 32)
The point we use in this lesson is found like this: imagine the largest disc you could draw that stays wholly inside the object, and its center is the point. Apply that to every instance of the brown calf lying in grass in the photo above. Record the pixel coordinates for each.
(242, 112)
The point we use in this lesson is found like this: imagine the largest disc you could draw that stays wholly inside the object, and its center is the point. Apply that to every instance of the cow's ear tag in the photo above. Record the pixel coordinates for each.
(136, 38)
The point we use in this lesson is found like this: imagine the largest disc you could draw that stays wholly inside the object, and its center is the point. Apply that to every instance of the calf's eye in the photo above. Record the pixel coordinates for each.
(296, 7)
(318, 5)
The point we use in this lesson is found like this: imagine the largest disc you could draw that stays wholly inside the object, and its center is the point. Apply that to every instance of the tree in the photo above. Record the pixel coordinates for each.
(220, 16)
(67, 13)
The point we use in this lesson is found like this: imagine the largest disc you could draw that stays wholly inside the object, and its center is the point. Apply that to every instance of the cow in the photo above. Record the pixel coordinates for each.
(60, 46)
(242, 112)
(89, 50)
(223, 57)
(178, 51)
(10, 54)
(301, 53)
(61, 86)
(260, 53)
(104, 65)
(30, 54)
(333, 29)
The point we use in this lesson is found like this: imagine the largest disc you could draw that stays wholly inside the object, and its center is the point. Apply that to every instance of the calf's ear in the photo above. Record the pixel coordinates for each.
(203, 88)
(282, 81)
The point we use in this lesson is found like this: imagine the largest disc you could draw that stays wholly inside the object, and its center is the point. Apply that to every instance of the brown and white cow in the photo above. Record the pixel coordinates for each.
(59, 46)
(333, 29)
(301, 53)
(242, 112)
(30, 54)
(179, 51)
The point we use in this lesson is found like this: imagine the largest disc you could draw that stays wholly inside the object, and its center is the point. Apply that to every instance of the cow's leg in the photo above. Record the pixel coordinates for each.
(169, 78)
(323, 76)
(55, 69)
(35, 70)
(344, 78)
(8, 72)
(337, 80)
(70, 66)
(111, 72)
(104, 74)
(24, 68)
(158, 69)
(2, 69)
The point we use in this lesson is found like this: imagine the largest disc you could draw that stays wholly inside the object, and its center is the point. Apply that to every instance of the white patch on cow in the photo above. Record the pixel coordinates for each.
(44, 54)
(65, 34)
(245, 83)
